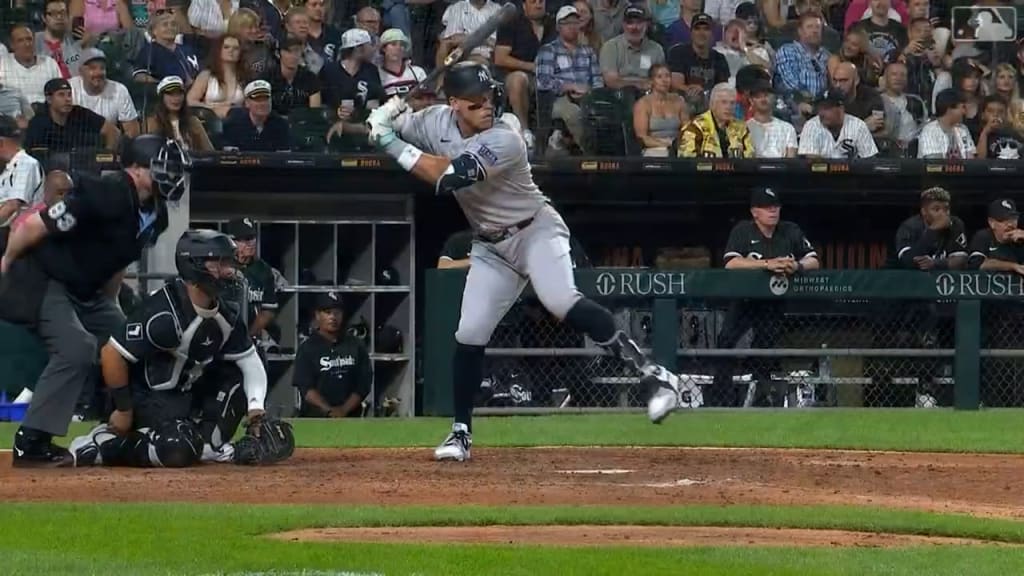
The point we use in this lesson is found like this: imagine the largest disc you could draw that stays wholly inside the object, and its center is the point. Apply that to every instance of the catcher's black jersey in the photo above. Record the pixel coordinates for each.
(984, 246)
(168, 344)
(914, 238)
(747, 241)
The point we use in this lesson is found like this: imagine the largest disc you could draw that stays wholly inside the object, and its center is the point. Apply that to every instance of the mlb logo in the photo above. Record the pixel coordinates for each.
(985, 24)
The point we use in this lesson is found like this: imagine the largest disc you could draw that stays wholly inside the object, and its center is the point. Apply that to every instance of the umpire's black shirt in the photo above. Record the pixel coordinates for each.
(914, 238)
(334, 369)
(96, 231)
(747, 241)
(984, 246)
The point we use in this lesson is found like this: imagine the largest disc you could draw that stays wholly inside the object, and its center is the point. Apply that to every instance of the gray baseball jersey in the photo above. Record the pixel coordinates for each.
(508, 195)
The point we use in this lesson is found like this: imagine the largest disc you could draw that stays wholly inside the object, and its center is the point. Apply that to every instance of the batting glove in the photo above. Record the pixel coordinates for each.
(382, 121)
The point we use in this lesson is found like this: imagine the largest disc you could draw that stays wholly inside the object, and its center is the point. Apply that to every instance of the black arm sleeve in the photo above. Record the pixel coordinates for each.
(977, 253)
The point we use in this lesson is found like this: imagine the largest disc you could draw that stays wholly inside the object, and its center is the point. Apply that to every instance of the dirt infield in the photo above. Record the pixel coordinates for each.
(984, 485)
(659, 536)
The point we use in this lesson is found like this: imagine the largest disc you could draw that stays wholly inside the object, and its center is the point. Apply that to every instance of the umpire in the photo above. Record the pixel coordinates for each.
(61, 272)
(762, 243)
(332, 367)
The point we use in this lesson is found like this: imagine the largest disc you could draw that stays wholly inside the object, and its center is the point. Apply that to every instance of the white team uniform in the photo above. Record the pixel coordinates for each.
(402, 83)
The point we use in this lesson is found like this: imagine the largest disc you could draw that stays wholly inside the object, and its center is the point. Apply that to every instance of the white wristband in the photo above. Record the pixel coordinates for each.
(409, 156)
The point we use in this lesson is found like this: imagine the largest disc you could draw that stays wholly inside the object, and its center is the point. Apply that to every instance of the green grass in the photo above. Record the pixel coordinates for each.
(193, 539)
(912, 430)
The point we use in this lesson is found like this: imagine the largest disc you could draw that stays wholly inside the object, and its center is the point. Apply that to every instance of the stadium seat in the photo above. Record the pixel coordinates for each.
(213, 124)
(608, 118)
(309, 128)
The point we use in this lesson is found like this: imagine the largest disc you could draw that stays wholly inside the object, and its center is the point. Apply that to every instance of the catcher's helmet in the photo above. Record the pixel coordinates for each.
(168, 163)
(195, 248)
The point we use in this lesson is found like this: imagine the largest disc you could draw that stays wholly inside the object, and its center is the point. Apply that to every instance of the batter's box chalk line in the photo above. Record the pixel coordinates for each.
(298, 573)
(597, 471)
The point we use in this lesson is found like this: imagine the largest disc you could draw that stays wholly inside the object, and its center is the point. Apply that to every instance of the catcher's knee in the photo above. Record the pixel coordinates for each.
(176, 444)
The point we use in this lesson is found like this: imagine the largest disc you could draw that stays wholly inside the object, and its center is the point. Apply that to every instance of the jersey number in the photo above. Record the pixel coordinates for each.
(64, 220)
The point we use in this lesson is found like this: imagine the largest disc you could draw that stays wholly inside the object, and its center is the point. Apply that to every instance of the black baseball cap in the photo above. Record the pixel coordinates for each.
(764, 196)
(9, 128)
(1003, 209)
(635, 12)
(55, 85)
(832, 97)
(702, 19)
(746, 11)
(329, 301)
(241, 229)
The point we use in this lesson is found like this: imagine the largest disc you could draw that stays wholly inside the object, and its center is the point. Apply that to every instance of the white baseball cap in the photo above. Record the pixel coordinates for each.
(566, 11)
(395, 35)
(355, 37)
(170, 83)
(257, 88)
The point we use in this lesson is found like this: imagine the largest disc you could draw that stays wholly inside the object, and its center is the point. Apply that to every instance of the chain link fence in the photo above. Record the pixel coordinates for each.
(751, 354)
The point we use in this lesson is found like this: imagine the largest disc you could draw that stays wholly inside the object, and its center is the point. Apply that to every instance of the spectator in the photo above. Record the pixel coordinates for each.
(352, 84)
(802, 66)
(269, 18)
(108, 98)
(996, 138)
(859, 10)
(257, 128)
(589, 36)
(173, 118)
(626, 59)
(57, 41)
(368, 18)
(292, 85)
(1000, 247)
(455, 253)
(56, 185)
(396, 14)
(932, 240)
(862, 101)
(323, 37)
(887, 36)
(23, 70)
(664, 13)
(568, 72)
(332, 367)
(219, 86)
(257, 51)
(901, 112)
(716, 133)
(259, 276)
(1007, 86)
(514, 55)
(21, 182)
(64, 127)
(965, 77)
(856, 50)
(101, 15)
(758, 50)
(162, 56)
(765, 242)
(461, 19)
(835, 134)
(946, 136)
(733, 46)
(771, 137)
(398, 75)
(609, 16)
(923, 58)
(296, 23)
(723, 11)
(210, 17)
(659, 116)
(696, 67)
(13, 104)
(680, 31)
(831, 40)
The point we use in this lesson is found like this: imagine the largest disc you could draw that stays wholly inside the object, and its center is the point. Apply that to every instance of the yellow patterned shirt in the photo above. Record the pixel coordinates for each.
(699, 139)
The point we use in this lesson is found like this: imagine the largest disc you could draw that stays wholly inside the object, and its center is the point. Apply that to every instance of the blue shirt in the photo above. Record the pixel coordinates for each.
(557, 66)
(159, 62)
(797, 70)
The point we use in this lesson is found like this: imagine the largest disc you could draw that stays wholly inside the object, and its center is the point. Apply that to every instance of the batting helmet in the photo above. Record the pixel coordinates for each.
(168, 163)
(468, 79)
(388, 340)
(388, 276)
(194, 249)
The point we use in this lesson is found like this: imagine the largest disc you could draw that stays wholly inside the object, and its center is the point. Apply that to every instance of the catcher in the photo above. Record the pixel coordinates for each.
(165, 414)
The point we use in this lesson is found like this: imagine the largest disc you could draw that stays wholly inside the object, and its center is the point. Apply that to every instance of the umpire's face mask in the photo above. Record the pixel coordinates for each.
(170, 171)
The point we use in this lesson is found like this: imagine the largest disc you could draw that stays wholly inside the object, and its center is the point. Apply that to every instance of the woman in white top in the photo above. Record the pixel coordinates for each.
(219, 87)
(210, 17)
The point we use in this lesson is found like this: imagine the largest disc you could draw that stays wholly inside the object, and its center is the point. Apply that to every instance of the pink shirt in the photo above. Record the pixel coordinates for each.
(101, 16)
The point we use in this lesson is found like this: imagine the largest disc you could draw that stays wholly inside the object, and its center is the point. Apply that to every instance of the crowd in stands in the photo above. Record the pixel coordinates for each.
(684, 78)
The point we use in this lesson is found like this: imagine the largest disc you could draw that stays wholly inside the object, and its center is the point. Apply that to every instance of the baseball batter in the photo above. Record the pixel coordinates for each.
(468, 149)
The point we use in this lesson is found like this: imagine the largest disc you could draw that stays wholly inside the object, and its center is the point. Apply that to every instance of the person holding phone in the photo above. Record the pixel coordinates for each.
(60, 40)
(99, 16)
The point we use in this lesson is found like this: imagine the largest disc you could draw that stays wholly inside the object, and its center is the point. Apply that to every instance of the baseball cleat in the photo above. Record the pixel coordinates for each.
(35, 449)
(665, 397)
(456, 445)
(85, 450)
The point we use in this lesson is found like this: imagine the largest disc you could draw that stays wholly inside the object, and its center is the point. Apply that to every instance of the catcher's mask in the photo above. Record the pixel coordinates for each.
(206, 258)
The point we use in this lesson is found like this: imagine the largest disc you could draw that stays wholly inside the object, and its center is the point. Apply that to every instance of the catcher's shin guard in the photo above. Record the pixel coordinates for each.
(223, 412)
(172, 444)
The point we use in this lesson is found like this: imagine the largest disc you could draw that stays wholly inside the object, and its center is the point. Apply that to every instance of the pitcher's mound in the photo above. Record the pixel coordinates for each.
(656, 536)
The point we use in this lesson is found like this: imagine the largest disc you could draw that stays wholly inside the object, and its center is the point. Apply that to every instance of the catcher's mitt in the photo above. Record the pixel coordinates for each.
(266, 441)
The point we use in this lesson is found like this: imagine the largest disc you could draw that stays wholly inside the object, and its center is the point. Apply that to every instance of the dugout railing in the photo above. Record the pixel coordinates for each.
(834, 338)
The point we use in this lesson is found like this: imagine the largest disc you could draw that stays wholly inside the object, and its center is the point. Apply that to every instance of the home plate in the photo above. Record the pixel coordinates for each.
(598, 471)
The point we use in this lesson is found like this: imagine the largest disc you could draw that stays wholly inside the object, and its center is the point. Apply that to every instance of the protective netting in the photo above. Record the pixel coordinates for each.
(752, 354)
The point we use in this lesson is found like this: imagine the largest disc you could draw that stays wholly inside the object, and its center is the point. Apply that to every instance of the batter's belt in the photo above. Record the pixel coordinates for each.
(505, 233)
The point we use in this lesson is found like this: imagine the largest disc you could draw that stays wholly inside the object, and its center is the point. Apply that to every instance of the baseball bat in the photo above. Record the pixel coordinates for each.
(477, 38)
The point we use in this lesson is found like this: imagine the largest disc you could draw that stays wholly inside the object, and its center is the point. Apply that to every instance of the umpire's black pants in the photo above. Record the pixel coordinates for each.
(73, 331)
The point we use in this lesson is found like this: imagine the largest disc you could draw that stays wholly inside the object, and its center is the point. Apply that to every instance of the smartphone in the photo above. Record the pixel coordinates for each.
(77, 27)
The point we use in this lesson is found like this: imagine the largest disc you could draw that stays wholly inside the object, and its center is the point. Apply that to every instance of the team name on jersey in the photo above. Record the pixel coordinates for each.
(255, 294)
(326, 362)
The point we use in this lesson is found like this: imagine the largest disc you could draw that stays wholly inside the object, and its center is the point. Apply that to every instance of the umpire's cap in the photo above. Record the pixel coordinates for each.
(467, 79)
(167, 161)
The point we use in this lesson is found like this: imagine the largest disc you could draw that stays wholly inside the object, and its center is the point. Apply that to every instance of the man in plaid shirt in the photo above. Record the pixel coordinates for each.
(801, 67)
(568, 71)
